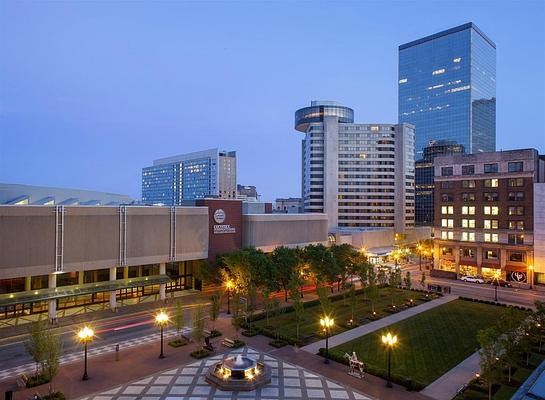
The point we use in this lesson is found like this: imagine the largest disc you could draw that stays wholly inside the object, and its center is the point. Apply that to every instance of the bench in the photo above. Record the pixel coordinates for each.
(207, 333)
(186, 338)
(228, 342)
(22, 381)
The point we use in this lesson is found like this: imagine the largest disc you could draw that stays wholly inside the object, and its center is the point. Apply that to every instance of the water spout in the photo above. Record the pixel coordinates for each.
(239, 362)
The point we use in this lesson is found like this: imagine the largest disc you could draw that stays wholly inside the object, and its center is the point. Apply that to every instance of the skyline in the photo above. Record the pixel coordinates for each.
(80, 87)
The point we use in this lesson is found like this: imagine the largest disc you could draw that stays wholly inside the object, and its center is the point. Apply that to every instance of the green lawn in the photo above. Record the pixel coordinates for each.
(431, 343)
(286, 324)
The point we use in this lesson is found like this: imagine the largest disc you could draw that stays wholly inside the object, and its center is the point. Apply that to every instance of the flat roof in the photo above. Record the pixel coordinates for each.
(469, 25)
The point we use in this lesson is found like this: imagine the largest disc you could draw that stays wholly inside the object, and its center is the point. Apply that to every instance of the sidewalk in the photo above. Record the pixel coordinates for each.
(376, 325)
(446, 386)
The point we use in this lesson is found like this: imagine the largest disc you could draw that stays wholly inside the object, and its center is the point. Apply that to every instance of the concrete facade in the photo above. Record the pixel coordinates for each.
(539, 231)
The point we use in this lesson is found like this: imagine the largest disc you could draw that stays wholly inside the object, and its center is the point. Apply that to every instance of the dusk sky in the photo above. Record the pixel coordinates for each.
(91, 92)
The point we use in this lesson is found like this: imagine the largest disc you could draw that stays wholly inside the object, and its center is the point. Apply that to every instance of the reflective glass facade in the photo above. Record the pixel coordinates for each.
(447, 88)
(162, 184)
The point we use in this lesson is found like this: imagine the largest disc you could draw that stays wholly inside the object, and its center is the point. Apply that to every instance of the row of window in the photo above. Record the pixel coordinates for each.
(491, 183)
(487, 196)
(492, 168)
(487, 254)
(488, 237)
(487, 210)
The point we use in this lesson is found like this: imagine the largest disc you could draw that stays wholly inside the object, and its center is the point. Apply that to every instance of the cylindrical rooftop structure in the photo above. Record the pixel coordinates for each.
(320, 109)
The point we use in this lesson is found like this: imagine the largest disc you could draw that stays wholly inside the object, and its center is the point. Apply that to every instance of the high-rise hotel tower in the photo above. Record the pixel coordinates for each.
(447, 88)
(361, 175)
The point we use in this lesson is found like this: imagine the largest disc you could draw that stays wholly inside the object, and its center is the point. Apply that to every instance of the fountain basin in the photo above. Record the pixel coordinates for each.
(238, 373)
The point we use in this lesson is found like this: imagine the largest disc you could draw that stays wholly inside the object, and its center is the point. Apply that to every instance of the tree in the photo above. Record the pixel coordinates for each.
(345, 257)
(208, 271)
(250, 304)
(236, 319)
(362, 271)
(353, 301)
(382, 278)
(372, 289)
(276, 310)
(325, 302)
(52, 355)
(394, 279)
(197, 333)
(322, 263)
(423, 281)
(539, 319)
(266, 294)
(178, 319)
(489, 354)
(285, 264)
(408, 282)
(35, 346)
(298, 306)
(215, 306)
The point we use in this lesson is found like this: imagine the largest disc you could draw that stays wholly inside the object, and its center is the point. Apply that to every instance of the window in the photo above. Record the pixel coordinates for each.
(447, 197)
(447, 185)
(468, 236)
(447, 223)
(447, 209)
(491, 183)
(515, 239)
(446, 251)
(491, 210)
(516, 257)
(468, 196)
(468, 223)
(516, 210)
(491, 168)
(516, 225)
(491, 254)
(468, 170)
(468, 184)
(517, 166)
(467, 253)
(491, 196)
(490, 224)
(447, 171)
(516, 182)
(491, 237)
(446, 235)
(515, 196)
(468, 210)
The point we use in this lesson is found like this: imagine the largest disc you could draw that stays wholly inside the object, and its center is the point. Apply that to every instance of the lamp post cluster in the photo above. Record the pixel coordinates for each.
(389, 341)
(327, 324)
(229, 285)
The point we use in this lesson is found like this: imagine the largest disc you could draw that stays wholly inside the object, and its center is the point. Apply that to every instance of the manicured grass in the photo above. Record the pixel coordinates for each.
(430, 343)
(286, 323)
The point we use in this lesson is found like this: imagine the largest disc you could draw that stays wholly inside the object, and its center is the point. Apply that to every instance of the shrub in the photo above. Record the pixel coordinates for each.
(200, 353)
(177, 343)
(250, 332)
(54, 396)
(239, 343)
(278, 343)
(36, 380)
(215, 333)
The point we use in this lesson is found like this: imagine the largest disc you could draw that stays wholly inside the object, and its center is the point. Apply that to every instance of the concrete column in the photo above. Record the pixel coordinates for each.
(28, 283)
(457, 258)
(503, 260)
(52, 306)
(125, 272)
(139, 271)
(162, 286)
(113, 277)
(81, 277)
(436, 256)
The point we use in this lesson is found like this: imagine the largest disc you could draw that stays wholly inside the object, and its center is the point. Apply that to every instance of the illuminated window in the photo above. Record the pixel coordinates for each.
(457, 60)
(468, 236)
(516, 225)
(490, 183)
(404, 80)
(491, 210)
(438, 71)
(447, 209)
(491, 237)
(447, 223)
(468, 223)
(468, 210)
(490, 224)
(516, 210)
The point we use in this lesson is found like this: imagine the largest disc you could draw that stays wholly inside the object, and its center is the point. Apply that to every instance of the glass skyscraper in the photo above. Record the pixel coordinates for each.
(447, 88)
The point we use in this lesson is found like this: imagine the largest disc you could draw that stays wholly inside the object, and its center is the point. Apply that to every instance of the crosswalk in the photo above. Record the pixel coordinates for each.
(15, 372)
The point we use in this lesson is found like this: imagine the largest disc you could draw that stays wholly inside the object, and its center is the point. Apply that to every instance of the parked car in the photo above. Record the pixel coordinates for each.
(499, 282)
(472, 279)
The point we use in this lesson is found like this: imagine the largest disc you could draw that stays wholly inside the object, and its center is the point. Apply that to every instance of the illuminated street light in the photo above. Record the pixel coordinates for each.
(161, 320)
(389, 341)
(327, 324)
(85, 336)
(229, 285)
(531, 268)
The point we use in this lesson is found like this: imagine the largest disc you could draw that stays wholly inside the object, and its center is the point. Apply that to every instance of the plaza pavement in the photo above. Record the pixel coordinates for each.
(446, 386)
(363, 330)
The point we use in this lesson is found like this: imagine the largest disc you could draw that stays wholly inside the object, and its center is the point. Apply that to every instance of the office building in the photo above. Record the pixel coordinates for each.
(14, 194)
(68, 260)
(361, 175)
(290, 205)
(447, 88)
(424, 178)
(485, 208)
(208, 173)
(248, 193)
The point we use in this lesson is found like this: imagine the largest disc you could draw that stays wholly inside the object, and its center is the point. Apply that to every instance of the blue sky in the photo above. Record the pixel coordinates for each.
(91, 92)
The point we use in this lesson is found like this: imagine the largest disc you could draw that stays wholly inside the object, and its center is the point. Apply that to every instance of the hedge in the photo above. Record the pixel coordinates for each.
(199, 353)
(400, 380)
(494, 303)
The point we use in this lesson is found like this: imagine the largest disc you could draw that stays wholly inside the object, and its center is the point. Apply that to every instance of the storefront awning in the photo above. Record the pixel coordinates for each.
(77, 290)
(380, 251)
(516, 268)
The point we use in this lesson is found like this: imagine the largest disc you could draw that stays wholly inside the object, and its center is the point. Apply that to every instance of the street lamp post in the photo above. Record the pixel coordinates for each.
(85, 336)
(229, 286)
(531, 268)
(326, 324)
(301, 278)
(161, 320)
(389, 341)
(496, 283)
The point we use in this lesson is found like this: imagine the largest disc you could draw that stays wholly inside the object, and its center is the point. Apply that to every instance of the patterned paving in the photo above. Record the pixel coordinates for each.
(187, 383)
(93, 352)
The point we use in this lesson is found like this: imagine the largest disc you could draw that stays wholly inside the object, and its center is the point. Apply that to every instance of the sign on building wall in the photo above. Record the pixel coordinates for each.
(219, 227)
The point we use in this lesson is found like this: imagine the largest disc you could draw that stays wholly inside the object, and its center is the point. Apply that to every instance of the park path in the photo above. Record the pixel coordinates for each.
(447, 385)
(378, 324)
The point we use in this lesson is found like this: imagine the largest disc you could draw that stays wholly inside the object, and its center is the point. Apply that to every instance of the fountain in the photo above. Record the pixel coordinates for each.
(239, 373)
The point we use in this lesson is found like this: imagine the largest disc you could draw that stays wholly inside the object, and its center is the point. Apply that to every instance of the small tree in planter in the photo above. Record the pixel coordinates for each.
(178, 318)
(266, 293)
(35, 346)
(408, 283)
(298, 306)
(489, 353)
(214, 312)
(353, 302)
(276, 310)
(236, 312)
(382, 278)
(52, 355)
(423, 281)
(325, 302)
(197, 333)
(372, 288)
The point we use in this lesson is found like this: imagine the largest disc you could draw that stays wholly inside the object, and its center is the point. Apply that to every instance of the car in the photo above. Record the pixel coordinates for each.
(499, 282)
(472, 279)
